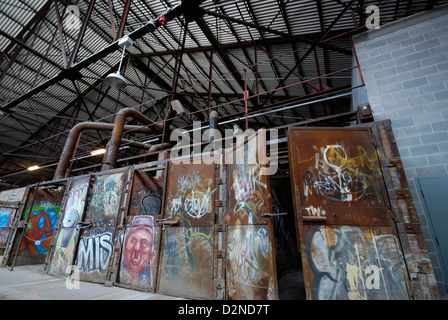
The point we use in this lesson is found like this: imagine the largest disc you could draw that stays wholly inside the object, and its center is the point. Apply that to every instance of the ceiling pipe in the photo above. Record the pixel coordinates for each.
(73, 137)
(74, 70)
(135, 144)
(113, 147)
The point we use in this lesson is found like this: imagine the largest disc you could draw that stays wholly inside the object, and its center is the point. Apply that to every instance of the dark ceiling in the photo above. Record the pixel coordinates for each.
(294, 57)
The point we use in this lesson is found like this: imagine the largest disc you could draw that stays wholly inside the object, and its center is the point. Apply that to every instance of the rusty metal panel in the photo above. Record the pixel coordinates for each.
(336, 167)
(347, 239)
(353, 263)
(68, 235)
(190, 194)
(186, 262)
(249, 191)
(42, 216)
(249, 195)
(13, 195)
(146, 197)
(186, 267)
(7, 215)
(138, 267)
(249, 272)
(95, 247)
(250, 267)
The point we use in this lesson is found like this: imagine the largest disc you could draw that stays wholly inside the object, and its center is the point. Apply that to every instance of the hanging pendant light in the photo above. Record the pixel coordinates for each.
(115, 79)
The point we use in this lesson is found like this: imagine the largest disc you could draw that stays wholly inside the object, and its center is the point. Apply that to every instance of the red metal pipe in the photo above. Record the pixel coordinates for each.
(110, 160)
(357, 61)
(73, 137)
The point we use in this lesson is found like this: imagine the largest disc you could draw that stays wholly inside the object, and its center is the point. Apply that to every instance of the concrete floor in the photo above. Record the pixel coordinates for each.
(32, 283)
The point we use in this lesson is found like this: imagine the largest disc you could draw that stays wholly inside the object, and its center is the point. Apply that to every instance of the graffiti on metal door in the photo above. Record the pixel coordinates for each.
(139, 252)
(338, 177)
(353, 263)
(41, 225)
(68, 235)
(192, 196)
(96, 242)
(248, 254)
(6, 217)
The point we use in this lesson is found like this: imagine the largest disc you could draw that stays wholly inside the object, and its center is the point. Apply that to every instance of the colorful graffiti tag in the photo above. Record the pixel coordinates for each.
(249, 271)
(139, 252)
(356, 264)
(95, 246)
(95, 251)
(249, 196)
(68, 235)
(6, 217)
(338, 177)
(191, 194)
(41, 225)
(106, 196)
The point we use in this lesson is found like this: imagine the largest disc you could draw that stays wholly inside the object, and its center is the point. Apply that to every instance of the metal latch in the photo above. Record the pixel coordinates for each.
(82, 225)
(168, 222)
(274, 214)
(313, 218)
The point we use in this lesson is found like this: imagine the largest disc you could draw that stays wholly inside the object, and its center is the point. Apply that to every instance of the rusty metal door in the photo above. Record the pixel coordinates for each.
(250, 270)
(141, 238)
(37, 225)
(186, 254)
(348, 242)
(96, 243)
(65, 244)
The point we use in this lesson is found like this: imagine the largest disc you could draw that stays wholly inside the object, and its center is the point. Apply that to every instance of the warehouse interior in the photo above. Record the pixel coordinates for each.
(70, 71)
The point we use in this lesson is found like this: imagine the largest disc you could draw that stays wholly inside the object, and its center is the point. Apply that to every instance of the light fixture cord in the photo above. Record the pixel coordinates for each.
(122, 56)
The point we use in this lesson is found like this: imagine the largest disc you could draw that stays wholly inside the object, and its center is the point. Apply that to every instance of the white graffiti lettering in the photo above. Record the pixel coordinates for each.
(94, 252)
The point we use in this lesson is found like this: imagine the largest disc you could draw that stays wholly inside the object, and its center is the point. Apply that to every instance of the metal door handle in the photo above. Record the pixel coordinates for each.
(168, 221)
(274, 214)
(313, 218)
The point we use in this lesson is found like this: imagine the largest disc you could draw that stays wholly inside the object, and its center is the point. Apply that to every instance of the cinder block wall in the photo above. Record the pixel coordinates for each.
(405, 69)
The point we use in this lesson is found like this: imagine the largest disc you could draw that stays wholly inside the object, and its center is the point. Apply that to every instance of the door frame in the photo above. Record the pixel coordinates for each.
(431, 227)
(378, 217)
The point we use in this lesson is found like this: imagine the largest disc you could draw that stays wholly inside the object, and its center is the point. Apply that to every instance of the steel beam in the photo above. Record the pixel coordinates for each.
(324, 34)
(69, 73)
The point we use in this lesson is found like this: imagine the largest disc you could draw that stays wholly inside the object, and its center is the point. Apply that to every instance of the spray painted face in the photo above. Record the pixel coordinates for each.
(138, 250)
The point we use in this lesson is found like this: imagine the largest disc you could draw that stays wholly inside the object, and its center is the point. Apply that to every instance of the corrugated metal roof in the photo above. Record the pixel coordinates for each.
(39, 125)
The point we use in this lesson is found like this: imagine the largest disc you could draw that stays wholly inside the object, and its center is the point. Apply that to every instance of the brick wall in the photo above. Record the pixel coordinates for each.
(405, 68)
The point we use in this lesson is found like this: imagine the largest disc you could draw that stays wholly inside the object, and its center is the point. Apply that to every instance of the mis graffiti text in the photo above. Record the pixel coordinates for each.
(94, 253)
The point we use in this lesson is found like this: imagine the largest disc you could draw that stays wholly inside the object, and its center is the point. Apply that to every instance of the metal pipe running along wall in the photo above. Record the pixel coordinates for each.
(110, 159)
(73, 137)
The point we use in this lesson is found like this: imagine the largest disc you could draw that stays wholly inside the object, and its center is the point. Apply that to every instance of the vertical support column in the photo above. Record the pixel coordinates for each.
(210, 83)
(256, 74)
(219, 263)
